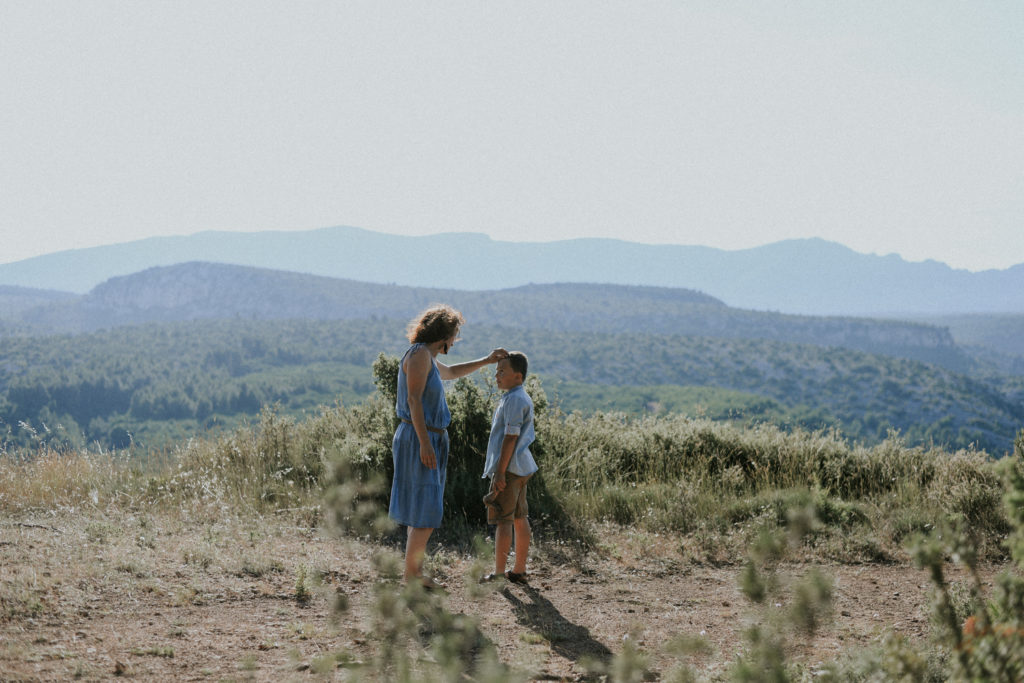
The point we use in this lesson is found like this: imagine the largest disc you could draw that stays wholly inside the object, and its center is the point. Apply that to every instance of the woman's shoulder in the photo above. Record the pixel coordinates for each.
(418, 357)
(418, 349)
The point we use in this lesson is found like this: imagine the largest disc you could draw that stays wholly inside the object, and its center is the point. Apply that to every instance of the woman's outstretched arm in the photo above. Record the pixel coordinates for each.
(462, 369)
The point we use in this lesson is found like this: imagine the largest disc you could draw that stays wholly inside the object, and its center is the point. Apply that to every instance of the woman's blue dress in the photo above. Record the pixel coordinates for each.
(417, 492)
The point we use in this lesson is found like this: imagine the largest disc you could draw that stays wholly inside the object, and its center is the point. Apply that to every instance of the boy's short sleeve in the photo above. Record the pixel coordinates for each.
(514, 415)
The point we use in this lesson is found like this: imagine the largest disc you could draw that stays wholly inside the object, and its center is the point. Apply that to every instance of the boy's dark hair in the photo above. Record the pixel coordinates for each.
(434, 324)
(518, 362)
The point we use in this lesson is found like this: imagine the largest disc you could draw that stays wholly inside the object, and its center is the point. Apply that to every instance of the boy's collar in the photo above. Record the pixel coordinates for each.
(518, 386)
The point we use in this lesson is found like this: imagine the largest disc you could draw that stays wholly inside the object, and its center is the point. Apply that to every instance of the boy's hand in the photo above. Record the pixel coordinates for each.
(499, 482)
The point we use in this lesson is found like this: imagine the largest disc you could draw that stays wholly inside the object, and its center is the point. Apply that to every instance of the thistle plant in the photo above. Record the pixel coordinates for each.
(417, 638)
(989, 644)
(808, 601)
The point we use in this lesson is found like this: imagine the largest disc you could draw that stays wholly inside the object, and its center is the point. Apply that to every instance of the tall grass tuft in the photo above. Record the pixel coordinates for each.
(51, 479)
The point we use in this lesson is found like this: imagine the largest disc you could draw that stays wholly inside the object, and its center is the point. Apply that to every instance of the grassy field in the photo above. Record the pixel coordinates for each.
(667, 547)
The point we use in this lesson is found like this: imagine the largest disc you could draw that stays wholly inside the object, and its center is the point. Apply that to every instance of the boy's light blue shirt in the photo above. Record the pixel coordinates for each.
(514, 415)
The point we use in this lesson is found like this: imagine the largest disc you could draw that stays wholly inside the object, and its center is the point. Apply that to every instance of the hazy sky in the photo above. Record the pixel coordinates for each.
(891, 127)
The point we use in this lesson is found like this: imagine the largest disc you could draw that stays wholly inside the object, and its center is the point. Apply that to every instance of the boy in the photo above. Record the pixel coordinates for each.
(510, 465)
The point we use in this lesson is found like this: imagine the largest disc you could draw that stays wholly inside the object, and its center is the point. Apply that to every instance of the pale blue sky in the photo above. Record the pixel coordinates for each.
(891, 127)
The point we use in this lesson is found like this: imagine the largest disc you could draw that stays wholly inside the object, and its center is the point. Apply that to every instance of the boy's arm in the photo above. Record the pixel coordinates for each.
(508, 447)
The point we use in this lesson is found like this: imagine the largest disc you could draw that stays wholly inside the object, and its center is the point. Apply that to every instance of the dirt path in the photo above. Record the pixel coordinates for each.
(159, 598)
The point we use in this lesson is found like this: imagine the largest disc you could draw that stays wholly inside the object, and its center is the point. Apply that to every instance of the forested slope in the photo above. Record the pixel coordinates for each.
(147, 379)
(209, 291)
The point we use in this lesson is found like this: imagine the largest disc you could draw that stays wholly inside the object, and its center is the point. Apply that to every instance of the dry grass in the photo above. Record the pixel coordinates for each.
(55, 480)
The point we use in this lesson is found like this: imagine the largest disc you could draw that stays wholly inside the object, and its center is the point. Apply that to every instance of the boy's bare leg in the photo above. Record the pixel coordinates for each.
(522, 527)
(502, 544)
(415, 549)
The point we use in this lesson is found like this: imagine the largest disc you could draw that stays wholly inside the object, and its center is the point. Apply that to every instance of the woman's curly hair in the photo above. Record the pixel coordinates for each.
(434, 324)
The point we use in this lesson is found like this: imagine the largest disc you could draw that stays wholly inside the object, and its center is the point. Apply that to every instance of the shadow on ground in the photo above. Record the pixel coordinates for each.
(567, 639)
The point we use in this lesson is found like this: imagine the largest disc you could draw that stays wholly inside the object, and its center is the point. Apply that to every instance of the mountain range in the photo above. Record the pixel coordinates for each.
(200, 291)
(805, 276)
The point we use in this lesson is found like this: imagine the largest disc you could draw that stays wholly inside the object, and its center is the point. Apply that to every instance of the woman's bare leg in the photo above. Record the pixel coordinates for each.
(415, 549)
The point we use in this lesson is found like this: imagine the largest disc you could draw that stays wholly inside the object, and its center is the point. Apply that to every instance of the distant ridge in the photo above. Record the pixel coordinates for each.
(197, 291)
(16, 300)
(807, 276)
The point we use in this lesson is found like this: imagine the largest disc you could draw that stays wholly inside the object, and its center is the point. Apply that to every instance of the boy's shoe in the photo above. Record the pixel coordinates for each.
(489, 499)
(488, 578)
(515, 577)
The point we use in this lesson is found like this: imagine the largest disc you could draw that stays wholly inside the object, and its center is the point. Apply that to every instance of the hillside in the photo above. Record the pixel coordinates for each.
(1001, 333)
(796, 276)
(196, 291)
(861, 394)
(14, 301)
(171, 350)
(172, 379)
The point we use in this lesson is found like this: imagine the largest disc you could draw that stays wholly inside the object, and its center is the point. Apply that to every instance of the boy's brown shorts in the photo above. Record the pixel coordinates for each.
(509, 504)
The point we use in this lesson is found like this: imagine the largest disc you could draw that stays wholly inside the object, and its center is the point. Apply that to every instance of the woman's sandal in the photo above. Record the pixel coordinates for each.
(430, 585)
(515, 577)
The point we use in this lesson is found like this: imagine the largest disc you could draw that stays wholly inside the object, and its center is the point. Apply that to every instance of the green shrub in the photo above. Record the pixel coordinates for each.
(967, 489)
(979, 639)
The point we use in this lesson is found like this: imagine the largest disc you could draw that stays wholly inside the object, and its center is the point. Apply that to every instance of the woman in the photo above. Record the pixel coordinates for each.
(420, 444)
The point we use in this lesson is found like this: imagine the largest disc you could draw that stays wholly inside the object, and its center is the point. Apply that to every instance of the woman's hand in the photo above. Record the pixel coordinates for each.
(497, 355)
(428, 457)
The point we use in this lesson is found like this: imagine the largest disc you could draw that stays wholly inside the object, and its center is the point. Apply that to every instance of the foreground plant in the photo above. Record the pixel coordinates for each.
(989, 644)
(976, 639)
(808, 602)
(406, 619)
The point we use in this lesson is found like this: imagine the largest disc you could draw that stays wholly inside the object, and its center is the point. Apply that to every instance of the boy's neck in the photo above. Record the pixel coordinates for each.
(513, 388)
